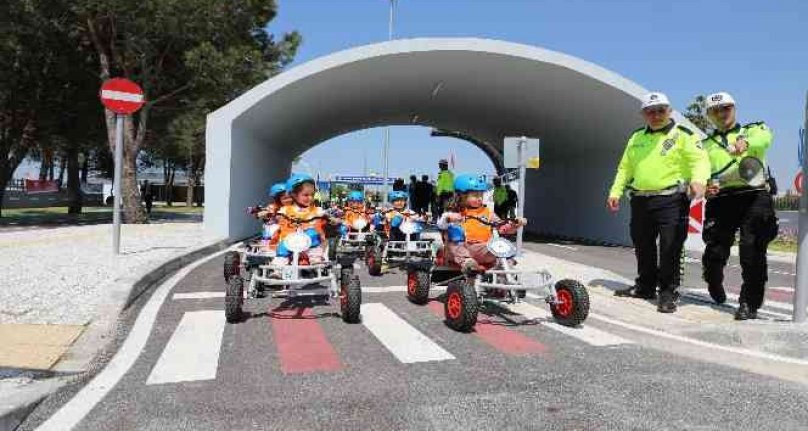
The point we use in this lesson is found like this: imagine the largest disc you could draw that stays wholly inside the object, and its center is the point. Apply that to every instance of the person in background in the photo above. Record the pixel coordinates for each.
(662, 162)
(411, 190)
(445, 188)
(425, 192)
(736, 206)
(500, 199)
(511, 202)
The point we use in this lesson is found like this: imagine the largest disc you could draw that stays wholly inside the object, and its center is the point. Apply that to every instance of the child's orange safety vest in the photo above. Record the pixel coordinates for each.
(476, 231)
(294, 211)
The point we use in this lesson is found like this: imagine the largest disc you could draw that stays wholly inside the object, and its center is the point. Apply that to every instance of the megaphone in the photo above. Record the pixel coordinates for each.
(748, 170)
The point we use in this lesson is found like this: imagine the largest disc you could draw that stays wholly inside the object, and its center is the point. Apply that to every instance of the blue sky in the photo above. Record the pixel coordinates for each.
(756, 50)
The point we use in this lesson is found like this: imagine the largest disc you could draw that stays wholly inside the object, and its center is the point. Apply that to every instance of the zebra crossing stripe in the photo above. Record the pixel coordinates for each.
(192, 353)
(498, 336)
(301, 342)
(197, 295)
(405, 342)
(587, 334)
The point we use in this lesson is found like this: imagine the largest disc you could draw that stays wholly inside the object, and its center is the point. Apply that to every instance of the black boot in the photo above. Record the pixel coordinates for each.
(636, 292)
(667, 301)
(717, 293)
(745, 313)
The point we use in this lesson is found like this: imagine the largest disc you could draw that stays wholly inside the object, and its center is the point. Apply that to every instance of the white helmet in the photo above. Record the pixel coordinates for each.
(655, 99)
(719, 99)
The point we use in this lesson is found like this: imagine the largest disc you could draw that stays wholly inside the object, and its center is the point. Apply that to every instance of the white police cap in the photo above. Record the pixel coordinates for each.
(719, 99)
(655, 99)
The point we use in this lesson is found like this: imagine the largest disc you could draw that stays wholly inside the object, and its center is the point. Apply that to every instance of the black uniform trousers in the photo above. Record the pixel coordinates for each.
(752, 213)
(662, 218)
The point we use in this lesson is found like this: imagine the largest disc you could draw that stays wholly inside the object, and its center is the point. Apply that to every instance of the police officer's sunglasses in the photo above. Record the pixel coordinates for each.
(655, 110)
(720, 109)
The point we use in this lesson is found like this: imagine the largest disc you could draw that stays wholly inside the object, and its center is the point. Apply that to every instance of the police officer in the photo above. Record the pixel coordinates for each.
(663, 161)
(734, 205)
(444, 191)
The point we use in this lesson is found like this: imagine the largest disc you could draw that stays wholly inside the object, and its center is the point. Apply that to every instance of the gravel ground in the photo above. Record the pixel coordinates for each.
(58, 276)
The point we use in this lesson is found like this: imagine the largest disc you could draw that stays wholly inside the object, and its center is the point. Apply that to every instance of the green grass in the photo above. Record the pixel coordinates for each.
(60, 215)
(783, 246)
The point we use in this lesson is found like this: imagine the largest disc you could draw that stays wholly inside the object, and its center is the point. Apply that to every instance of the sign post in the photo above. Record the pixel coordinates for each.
(123, 97)
(521, 153)
(801, 287)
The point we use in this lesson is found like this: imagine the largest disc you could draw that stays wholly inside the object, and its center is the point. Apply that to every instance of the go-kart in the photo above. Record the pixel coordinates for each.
(416, 255)
(465, 292)
(299, 278)
(352, 244)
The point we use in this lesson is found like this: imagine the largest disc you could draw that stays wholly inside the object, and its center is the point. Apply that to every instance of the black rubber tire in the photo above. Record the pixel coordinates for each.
(461, 294)
(418, 291)
(234, 299)
(375, 263)
(232, 265)
(350, 299)
(577, 307)
(521, 293)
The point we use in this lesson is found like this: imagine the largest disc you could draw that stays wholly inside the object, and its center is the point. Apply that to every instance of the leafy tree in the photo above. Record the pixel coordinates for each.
(697, 114)
(185, 54)
(43, 87)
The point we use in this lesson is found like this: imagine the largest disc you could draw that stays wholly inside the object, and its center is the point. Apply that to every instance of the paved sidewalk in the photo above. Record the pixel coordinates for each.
(60, 281)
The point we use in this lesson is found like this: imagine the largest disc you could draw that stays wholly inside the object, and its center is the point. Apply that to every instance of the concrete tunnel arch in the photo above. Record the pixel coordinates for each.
(478, 88)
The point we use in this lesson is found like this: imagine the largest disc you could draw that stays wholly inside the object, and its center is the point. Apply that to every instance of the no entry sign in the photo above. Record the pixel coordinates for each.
(121, 96)
(798, 182)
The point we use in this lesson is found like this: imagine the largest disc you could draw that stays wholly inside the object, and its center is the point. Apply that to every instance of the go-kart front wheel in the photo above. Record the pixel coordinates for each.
(231, 265)
(374, 262)
(418, 281)
(350, 299)
(461, 306)
(234, 299)
(572, 306)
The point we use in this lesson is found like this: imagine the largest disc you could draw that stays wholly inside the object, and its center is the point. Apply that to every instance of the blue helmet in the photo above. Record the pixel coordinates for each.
(396, 195)
(356, 196)
(298, 179)
(469, 183)
(277, 189)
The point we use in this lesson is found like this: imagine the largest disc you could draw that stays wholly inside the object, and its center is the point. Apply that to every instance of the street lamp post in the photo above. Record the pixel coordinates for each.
(386, 150)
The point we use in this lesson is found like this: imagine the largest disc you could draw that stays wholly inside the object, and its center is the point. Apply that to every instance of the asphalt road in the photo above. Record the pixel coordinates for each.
(403, 369)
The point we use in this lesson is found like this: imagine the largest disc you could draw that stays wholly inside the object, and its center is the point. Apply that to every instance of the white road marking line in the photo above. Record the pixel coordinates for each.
(192, 353)
(405, 342)
(120, 95)
(587, 334)
(733, 297)
(566, 247)
(790, 274)
(736, 350)
(388, 289)
(197, 295)
(72, 412)
(782, 289)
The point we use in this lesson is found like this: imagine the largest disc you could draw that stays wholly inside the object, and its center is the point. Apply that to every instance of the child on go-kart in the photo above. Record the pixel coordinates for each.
(355, 210)
(270, 228)
(301, 189)
(395, 216)
(467, 239)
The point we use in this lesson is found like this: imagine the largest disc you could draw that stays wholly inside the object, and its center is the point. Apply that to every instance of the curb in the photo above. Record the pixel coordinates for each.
(123, 293)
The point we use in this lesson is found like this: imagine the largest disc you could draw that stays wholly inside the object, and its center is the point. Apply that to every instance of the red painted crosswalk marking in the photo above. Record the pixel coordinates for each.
(498, 336)
(301, 343)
